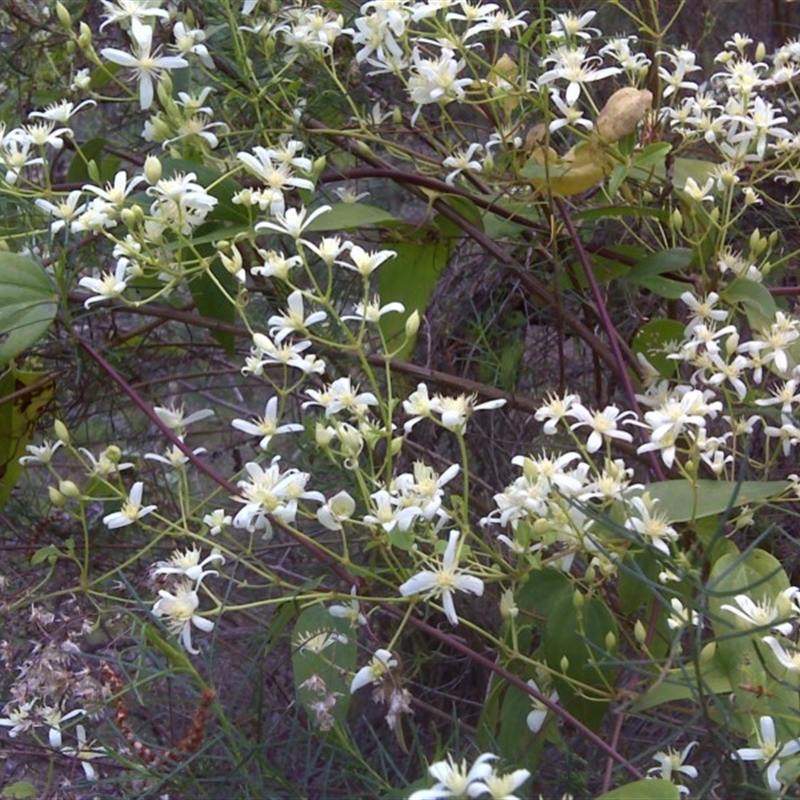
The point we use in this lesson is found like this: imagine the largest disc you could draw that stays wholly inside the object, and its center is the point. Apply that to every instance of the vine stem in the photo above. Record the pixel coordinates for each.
(608, 325)
(202, 465)
(515, 680)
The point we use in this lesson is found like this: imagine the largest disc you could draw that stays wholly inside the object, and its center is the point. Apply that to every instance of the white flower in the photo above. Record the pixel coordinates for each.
(770, 752)
(266, 426)
(444, 581)
(173, 417)
(131, 510)
(758, 615)
(499, 787)
(434, 80)
(455, 411)
(216, 521)
(462, 161)
(178, 611)
(53, 717)
(350, 611)
(293, 222)
(381, 663)
(681, 616)
(145, 64)
(335, 511)
(41, 454)
(454, 780)
(294, 320)
(84, 752)
(788, 659)
(603, 424)
(536, 717)
(671, 764)
(572, 64)
(109, 286)
(188, 564)
(697, 192)
(365, 263)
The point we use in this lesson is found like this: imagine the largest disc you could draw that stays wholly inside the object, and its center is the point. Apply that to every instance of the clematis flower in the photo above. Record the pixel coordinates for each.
(294, 320)
(671, 764)
(770, 752)
(444, 581)
(381, 663)
(188, 564)
(267, 426)
(131, 510)
(109, 286)
(758, 615)
(178, 611)
(146, 64)
(454, 780)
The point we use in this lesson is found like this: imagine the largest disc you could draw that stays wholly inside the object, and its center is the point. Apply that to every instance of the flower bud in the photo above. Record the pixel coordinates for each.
(56, 498)
(611, 641)
(61, 431)
(578, 600)
(85, 36)
(113, 453)
(63, 15)
(508, 608)
(761, 51)
(69, 489)
(640, 632)
(622, 113)
(732, 343)
(412, 324)
(564, 664)
(131, 217)
(677, 220)
(152, 169)
(397, 445)
(323, 434)
(708, 652)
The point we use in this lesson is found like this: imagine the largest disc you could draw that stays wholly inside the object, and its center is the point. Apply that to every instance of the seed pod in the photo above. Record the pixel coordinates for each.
(622, 113)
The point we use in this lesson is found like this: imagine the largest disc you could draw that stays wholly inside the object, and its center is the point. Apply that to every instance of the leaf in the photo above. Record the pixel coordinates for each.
(324, 648)
(682, 684)
(654, 341)
(48, 553)
(211, 300)
(682, 501)
(759, 305)
(18, 419)
(351, 215)
(646, 789)
(410, 279)
(612, 212)
(19, 790)
(27, 304)
(672, 260)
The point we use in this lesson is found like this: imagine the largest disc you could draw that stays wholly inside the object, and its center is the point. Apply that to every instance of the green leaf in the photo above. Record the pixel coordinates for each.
(410, 279)
(759, 305)
(19, 790)
(348, 216)
(324, 647)
(27, 304)
(18, 419)
(647, 789)
(673, 260)
(682, 683)
(654, 342)
(682, 501)
(653, 154)
(48, 553)
(744, 658)
(211, 300)
(615, 211)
